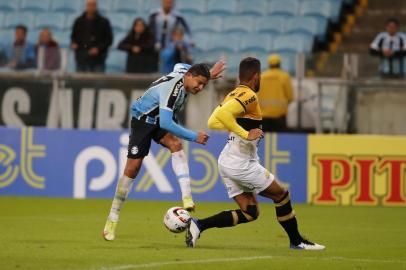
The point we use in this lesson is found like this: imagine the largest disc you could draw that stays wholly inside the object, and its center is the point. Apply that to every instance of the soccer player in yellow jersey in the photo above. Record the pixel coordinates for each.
(239, 166)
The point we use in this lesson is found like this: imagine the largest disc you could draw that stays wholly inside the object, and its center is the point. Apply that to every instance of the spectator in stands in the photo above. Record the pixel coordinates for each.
(51, 53)
(163, 21)
(275, 94)
(177, 51)
(139, 44)
(390, 46)
(91, 37)
(20, 54)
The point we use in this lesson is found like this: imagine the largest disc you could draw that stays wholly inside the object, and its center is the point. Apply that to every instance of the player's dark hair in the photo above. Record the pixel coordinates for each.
(22, 27)
(200, 70)
(248, 68)
(392, 20)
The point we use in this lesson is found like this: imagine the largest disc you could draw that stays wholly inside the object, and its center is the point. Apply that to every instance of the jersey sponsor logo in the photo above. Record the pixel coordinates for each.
(176, 89)
(252, 99)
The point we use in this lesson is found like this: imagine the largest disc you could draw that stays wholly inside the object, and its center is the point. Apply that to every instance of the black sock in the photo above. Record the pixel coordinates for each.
(226, 219)
(286, 217)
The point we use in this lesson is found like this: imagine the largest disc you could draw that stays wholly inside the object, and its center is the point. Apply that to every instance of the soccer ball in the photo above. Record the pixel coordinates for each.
(176, 219)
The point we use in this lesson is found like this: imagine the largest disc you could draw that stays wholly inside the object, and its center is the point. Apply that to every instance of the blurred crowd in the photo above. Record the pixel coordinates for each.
(153, 46)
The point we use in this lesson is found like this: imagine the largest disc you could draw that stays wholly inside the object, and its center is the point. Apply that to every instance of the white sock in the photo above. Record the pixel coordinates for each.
(181, 169)
(124, 185)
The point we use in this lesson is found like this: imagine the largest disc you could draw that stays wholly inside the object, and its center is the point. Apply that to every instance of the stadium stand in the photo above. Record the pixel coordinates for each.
(35, 6)
(254, 27)
(188, 7)
(53, 21)
(130, 7)
(68, 6)
(6, 5)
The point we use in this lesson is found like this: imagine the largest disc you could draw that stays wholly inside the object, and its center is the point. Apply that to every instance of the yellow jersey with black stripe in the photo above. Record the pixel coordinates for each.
(248, 100)
(238, 113)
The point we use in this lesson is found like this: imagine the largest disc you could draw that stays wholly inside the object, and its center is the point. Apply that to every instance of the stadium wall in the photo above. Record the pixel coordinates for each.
(318, 169)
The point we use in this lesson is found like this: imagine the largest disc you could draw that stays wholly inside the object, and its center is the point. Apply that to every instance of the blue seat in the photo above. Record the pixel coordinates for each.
(68, 6)
(223, 7)
(224, 42)
(271, 24)
(6, 36)
(116, 61)
(53, 21)
(151, 5)
(233, 63)
(33, 35)
(69, 21)
(104, 6)
(119, 21)
(239, 24)
(206, 57)
(127, 6)
(293, 43)
(201, 41)
(316, 26)
(256, 42)
(322, 25)
(8, 5)
(16, 18)
(118, 37)
(62, 37)
(336, 6)
(206, 23)
(253, 7)
(191, 7)
(2, 19)
(284, 7)
(316, 8)
(306, 25)
(38, 6)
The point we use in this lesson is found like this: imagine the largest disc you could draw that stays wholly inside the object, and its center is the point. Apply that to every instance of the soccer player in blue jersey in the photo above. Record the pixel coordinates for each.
(154, 118)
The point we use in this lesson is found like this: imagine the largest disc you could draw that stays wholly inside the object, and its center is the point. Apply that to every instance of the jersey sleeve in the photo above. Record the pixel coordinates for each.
(166, 122)
(226, 114)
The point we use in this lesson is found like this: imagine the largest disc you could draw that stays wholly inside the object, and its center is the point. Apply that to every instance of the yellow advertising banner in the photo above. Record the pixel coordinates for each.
(356, 170)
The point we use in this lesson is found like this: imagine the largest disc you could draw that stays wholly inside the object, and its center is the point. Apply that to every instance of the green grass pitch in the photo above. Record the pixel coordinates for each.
(44, 233)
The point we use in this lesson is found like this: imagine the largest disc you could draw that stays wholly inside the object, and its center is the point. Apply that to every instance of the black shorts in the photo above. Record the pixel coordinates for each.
(140, 138)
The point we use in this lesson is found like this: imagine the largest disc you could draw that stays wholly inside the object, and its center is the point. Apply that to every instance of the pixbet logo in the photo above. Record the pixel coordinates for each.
(111, 169)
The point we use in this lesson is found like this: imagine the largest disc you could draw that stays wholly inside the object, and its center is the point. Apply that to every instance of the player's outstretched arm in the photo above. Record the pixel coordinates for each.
(217, 70)
(166, 122)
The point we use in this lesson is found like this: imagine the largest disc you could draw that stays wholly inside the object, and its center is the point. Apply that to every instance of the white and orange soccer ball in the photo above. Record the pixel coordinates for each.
(176, 219)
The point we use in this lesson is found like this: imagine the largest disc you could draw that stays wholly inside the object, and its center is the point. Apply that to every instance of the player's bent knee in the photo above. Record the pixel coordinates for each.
(248, 215)
(252, 211)
(174, 145)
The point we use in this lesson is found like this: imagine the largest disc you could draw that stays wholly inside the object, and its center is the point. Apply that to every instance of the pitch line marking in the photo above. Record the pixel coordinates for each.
(157, 264)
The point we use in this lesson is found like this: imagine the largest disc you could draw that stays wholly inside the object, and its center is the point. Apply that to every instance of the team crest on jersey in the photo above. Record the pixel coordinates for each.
(134, 150)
